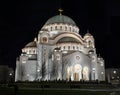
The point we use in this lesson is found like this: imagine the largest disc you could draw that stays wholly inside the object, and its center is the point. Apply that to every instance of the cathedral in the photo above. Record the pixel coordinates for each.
(60, 53)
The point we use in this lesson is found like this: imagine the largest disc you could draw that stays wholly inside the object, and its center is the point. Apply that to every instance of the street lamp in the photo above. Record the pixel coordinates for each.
(10, 77)
(10, 74)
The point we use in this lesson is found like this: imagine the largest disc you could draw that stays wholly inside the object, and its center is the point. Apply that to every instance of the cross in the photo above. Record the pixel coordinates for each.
(60, 10)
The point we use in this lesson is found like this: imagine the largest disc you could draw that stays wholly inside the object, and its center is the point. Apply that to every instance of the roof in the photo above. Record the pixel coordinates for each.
(60, 19)
(88, 34)
(31, 44)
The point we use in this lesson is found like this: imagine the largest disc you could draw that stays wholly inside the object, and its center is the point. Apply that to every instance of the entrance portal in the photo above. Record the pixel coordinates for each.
(77, 72)
(76, 76)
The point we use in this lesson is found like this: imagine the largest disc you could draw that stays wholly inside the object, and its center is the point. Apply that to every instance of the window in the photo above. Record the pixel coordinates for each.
(51, 28)
(44, 39)
(90, 43)
(55, 27)
(68, 47)
(73, 47)
(73, 30)
(60, 27)
(26, 50)
(58, 57)
(64, 47)
(23, 60)
(34, 51)
(29, 51)
(65, 28)
(70, 28)
(77, 47)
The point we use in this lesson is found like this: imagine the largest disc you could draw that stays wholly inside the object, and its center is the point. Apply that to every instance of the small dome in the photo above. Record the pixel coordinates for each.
(31, 44)
(60, 19)
(88, 34)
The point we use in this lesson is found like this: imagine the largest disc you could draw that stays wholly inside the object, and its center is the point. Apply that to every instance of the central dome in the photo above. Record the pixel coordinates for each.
(60, 19)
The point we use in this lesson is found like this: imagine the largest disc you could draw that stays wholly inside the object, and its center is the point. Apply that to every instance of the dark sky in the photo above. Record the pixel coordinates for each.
(21, 20)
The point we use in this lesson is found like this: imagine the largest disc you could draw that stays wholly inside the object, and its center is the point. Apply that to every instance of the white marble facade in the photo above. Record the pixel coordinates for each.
(60, 53)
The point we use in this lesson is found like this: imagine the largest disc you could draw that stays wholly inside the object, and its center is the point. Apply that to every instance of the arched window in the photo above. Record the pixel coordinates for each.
(34, 51)
(60, 27)
(77, 48)
(70, 28)
(29, 51)
(73, 30)
(73, 47)
(55, 27)
(64, 47)
(50, 28)
(26, 50)
(90, 43)
(65, 28)
(69, 47)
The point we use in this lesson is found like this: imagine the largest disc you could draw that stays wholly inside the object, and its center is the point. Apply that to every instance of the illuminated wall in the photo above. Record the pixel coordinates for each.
(60, 53)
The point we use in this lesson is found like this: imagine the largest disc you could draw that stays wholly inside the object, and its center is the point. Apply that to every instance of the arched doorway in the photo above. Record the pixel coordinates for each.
(85, 73)
(77, 72)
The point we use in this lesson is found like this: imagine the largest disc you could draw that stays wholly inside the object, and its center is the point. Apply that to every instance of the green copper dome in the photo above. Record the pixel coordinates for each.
(60, 19)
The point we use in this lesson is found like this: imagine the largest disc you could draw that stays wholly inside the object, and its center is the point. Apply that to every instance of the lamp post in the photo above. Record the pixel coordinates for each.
(10, 77)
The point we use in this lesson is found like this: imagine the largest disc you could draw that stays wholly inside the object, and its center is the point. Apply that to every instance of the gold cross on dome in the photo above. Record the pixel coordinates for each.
(60, 11)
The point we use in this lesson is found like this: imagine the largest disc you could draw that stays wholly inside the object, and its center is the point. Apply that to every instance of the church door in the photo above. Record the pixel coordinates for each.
(76, 76)
(77, 72)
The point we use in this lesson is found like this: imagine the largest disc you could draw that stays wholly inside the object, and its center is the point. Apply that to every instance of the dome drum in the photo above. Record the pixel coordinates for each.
(62, 27)
(61, 23)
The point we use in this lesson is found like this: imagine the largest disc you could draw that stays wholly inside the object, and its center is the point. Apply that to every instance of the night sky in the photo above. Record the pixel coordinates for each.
(21, 20)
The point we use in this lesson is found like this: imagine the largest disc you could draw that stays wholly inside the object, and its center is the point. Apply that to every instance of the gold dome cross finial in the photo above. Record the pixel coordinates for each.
(60, 11)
